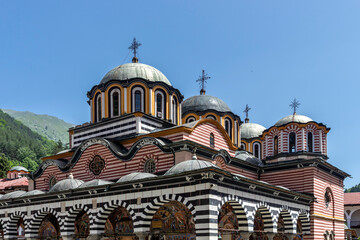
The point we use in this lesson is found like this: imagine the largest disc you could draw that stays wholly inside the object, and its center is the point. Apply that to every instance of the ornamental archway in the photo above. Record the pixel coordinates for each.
(299, 233)
(228, 222)
(280, 235)
(49, 228)
(20, 229)
(82, 225)
(173, 220)
(259, 225)
(119, 225)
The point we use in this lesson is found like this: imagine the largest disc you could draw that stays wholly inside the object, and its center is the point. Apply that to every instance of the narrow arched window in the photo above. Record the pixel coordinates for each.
(137, 101)
(292, 142)
(212, 140)
(174, 111)
(257, 150)
(309, 142)
(115, 103)
(276, 145)
(190, 119)
(159, 105)
(160, 110)
(228, 127)
(243, 146)
(98, 108)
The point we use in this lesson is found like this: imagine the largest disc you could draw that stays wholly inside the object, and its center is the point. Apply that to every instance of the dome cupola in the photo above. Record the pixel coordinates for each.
(66, 184)
(130, 71)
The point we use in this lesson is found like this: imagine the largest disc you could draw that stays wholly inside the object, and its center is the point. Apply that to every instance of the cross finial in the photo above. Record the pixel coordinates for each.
(134, 46)
(202, 80)
(294, 105)
(246, 111)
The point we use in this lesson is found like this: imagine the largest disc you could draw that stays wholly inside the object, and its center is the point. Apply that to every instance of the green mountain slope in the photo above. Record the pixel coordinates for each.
(45, 125)
(22, 146)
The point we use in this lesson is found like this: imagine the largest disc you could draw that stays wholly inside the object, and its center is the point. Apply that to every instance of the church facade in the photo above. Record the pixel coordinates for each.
(151, 165)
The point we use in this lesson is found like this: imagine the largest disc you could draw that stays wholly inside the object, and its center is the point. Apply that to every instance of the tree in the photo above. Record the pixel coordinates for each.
(4, 165)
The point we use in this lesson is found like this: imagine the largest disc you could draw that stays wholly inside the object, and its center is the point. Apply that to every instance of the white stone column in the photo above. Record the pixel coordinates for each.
(125, 100)
(151, 109)
(102, 105)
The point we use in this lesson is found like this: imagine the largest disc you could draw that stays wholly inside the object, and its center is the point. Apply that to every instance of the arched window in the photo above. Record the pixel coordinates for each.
(174, 111)
(309, 142)
(276, 145)
(138, 99)
(292, 142)
(243, 146)
(228, 127)
(327, 197)
(160, 104)
(190, 119)
(211, 117)
(257, 150)
(150, 166)
(115, 107)
(98, 116)
(52, 181)
(212, 140)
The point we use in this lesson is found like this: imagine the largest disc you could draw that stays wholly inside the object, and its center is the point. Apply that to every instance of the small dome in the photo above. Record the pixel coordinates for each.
(189, 165)
(95, 182)
(293, 118)
(19, 168)
(32, 193)
(135, 176)
(14, 194)
(251, 130)
(248, 157)
(135, 70)
(201, 103)
(66, 184)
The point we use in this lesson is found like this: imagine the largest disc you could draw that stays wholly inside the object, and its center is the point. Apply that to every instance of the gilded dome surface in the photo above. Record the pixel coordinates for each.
(251, 130)
(189, 165)
(293, 118)
(201, 103)
(135, 70)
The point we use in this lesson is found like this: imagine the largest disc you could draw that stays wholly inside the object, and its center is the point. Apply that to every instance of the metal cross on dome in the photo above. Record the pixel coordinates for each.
(294, 105)
(134, 46)
(202, 80)
(246, 111)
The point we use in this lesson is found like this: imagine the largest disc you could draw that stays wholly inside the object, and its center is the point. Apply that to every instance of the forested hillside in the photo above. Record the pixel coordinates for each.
(19, 145)
(48, 126)
(355, 188)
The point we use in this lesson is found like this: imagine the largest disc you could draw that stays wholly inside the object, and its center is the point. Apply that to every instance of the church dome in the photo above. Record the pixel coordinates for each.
(189, 165)
(95, 182)
(135, 70)
(201, 103)
(248, 157)
(251, 130)
(19, 168)
(14, 194)
(293, 118)
(32, 193)
(66, 184)
(135, 176)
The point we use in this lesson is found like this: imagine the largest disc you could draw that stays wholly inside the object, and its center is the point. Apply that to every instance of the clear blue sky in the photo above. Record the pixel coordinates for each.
(261, 53)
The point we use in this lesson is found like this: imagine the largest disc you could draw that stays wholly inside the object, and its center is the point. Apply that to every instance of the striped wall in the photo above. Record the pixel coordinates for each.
(317, 182)
(201, 198)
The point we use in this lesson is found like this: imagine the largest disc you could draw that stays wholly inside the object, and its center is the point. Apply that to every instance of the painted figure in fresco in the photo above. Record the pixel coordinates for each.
(20, 228)
(228, 222)
(175, 221)
(82, 225)
(49, 228)
(119, 225)
(258, 228)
